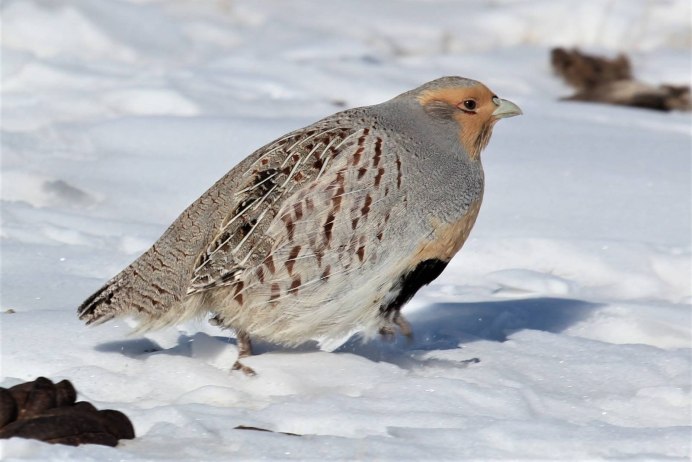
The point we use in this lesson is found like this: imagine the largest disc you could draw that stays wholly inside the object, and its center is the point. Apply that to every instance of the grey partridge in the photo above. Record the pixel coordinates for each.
(327, 231)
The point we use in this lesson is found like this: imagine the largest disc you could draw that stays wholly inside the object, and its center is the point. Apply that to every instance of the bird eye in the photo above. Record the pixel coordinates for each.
(469, 105)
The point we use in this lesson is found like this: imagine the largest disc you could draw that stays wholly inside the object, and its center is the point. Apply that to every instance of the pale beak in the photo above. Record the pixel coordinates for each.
(506, 109)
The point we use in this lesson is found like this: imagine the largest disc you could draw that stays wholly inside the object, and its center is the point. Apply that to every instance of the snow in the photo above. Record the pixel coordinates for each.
(573, 292)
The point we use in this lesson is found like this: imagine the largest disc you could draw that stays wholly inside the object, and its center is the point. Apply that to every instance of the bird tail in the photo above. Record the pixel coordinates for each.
(143, 292)
(106, 303)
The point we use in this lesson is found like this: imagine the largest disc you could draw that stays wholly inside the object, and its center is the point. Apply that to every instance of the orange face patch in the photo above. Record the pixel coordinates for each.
(472, 108)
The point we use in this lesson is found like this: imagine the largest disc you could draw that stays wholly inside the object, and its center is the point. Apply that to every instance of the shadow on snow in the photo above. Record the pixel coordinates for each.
(439, 326)
(445, 326)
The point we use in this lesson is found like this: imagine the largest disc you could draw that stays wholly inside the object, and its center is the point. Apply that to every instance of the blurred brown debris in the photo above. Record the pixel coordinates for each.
(603, 80)
(49, 412)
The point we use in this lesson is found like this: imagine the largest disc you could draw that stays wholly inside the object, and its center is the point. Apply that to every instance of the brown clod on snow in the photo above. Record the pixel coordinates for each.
(48, 412)
(603, 80)
(585, 72)
(8, 407)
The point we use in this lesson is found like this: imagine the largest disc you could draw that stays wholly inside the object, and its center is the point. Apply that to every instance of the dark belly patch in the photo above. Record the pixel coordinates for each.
(409, 283)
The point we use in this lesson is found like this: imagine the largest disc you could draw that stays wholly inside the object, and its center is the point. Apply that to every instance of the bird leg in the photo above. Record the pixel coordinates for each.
(388, 331)
(404, 326)
(244, 346)
(244, 350)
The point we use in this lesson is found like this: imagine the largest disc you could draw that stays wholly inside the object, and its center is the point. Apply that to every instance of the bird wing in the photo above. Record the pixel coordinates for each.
(284, 167)
(314, 207)
(306, 243)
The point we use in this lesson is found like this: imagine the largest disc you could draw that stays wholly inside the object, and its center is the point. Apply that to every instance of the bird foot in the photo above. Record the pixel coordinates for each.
(388, 332)
(244, 350)
(247, 370)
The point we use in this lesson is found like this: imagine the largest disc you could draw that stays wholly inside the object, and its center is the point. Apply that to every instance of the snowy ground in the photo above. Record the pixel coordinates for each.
(573, 291)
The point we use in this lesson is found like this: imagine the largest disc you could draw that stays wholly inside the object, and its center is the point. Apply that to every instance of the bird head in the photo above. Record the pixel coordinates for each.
(470, 104)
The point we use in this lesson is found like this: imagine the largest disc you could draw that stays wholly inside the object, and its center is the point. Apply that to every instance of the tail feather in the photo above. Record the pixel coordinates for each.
(100, 307)
(153, 288)
(137, 291)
